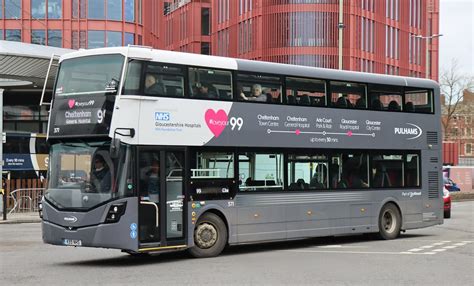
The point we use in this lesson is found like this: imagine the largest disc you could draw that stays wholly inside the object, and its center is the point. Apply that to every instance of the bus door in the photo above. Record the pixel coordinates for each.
(161, 187)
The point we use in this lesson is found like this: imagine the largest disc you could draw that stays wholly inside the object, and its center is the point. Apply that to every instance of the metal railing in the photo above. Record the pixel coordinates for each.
(25, 200)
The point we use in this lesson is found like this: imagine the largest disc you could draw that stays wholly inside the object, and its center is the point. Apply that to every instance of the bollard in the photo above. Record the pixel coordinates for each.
(4, 204)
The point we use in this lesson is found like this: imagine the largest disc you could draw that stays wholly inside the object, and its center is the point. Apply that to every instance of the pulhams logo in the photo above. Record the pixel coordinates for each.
(414, 130)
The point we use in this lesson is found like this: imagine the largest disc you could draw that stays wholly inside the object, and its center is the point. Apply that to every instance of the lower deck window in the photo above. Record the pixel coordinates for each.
(260, 171)
(307, 172)
(349, 170)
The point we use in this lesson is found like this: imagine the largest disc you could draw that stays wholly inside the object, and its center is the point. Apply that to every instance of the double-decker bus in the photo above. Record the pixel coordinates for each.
(155, 150)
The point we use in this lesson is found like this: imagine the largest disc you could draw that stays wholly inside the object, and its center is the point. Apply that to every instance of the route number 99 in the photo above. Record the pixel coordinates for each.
(236, 122)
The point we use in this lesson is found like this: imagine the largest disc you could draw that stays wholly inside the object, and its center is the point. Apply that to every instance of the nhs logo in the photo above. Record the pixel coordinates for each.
(162, 116)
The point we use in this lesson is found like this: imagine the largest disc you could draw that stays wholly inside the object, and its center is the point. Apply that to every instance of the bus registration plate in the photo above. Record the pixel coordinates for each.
(72, 242)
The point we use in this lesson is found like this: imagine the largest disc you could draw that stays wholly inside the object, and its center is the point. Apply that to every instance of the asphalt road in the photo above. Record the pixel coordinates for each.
(440, 255)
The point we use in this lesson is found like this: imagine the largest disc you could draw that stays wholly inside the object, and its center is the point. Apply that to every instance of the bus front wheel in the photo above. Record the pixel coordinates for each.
(210, 236)
(390, 222)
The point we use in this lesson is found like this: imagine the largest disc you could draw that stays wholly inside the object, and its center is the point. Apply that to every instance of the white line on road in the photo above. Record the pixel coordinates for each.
(439, 250)
(460, 244)
(450, 246)
(415, 249)
(358, 252)
(427, 246)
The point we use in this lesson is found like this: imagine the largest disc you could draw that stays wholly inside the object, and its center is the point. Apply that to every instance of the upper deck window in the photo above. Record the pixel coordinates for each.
(348, 95)
(260, 88)
(93, 75)
(210, 83)
(419, 100)
(384, 97)
(164, 80)
(303, 91)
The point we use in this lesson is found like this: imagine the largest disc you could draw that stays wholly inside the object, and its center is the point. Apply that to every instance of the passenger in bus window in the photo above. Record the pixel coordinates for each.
(256, 95)
(100, 177)
(206, 90)
(152, 86)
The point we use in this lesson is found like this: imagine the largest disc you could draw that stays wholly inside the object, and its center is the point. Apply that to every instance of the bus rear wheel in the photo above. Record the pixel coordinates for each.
(210, 236)
(390, 222)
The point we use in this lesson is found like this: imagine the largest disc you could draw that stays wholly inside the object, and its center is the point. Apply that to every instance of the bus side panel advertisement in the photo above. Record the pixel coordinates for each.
(198, 123)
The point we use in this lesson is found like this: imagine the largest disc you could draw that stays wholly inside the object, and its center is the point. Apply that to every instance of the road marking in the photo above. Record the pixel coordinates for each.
(467, 241)
(439, 250)
(430, 253)
(415, 249)
(460, 244)
(438, 243)
(358, 252)
(450, 246)
(427, 246)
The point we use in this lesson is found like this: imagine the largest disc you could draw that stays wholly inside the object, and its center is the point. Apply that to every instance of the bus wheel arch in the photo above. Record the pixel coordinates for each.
(210, 234)
(390, 220)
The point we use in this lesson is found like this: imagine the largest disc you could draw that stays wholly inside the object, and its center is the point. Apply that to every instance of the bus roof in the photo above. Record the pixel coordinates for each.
(147, 53)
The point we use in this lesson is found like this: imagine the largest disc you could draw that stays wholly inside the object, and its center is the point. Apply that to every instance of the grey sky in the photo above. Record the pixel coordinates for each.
(457, 27)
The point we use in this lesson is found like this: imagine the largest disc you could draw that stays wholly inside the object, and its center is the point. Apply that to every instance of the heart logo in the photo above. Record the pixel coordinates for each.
(71, 103)
(216, 121)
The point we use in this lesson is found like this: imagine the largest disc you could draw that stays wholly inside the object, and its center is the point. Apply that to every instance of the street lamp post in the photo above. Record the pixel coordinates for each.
(428, 62)
(340, 26)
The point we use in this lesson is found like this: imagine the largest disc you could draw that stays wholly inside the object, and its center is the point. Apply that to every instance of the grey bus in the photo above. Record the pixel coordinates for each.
(156, 151)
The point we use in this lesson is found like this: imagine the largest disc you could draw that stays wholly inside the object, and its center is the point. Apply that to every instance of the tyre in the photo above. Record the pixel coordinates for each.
(447, 214)
(390, 222)
(210, 236)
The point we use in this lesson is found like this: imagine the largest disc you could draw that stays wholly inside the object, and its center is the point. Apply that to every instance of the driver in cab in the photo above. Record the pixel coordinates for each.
(100, 177)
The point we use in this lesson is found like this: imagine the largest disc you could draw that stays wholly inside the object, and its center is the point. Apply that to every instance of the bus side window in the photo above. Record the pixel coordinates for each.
(306, 92)
(419, 101)
(353, 93)
(210, 84)
(163, 80)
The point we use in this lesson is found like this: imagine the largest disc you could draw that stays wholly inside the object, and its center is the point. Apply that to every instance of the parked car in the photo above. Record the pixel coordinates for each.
(450, 185)
(447, 203)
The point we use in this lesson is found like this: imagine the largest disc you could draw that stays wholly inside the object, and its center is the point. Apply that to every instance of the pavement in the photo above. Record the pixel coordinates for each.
(28, 217)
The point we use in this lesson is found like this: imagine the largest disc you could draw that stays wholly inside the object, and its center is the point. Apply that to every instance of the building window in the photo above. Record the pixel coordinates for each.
(468, 148)
(1, 34)
(95, 39)
(75, 9)
(13, 35)
(82, 40)
(129, 39)
(38, 37)
(12, 9)
(38, 9)
(75, 40)
(114, 10)
(55, 38)
(205, 22)
(130, 10)
(96, 9)
(205, 48)
(54, 9)
(114, 39)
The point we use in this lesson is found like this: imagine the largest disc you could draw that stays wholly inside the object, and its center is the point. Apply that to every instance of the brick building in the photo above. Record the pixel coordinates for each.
(377, 36)
(461, 129)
